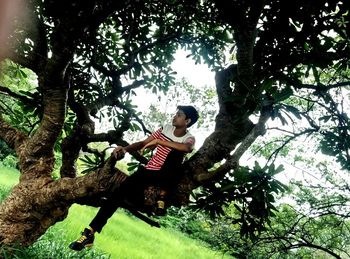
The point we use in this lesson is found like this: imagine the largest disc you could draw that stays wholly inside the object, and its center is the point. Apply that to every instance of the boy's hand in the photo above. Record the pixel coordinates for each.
(151, 145)
(119, 152)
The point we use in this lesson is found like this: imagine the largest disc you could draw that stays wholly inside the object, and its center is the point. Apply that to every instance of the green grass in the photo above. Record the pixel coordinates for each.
(123, 237)
(8, 177)
(127, 237)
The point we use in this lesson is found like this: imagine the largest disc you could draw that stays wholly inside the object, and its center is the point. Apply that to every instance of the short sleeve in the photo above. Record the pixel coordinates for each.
(190, 140)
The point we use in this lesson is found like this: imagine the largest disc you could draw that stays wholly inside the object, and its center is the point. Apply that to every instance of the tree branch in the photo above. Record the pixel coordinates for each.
(233, 161)
(88, 188)
(291, 138)
(22, 98)
(135, 84)
(317, 247)
(319, 87)
(115, 137)
(13, 137)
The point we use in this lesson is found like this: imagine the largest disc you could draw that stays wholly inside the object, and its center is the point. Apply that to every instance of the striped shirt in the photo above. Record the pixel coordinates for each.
(166, 133)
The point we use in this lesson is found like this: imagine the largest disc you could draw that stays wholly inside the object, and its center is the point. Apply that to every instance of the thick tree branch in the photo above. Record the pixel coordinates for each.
(244, 30)
(232, 162)
(22, 98)
(66, 36)
(224, 90)
(98, 183)
(115, 137)
(13, 137)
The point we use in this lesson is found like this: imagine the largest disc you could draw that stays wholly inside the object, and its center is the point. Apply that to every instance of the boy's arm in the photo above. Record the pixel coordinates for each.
(132, 147)
(184, 147)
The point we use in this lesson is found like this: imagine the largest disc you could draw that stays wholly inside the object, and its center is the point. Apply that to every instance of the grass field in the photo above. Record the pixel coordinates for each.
(123, 237)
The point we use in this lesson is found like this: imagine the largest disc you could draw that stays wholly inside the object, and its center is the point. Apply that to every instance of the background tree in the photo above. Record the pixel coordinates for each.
(82, 51)
(311, 221)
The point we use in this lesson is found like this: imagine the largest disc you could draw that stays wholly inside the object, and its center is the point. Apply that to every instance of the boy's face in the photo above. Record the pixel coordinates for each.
(179, 119)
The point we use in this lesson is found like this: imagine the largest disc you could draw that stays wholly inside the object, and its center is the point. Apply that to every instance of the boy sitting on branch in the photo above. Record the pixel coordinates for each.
(171, 143)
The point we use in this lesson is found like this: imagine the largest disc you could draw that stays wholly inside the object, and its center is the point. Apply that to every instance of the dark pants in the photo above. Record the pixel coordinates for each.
(132, 190)
(104, 213)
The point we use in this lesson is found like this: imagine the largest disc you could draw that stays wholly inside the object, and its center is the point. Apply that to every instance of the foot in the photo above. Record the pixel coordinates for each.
(160, 209)
(86, 240)
(150, 195)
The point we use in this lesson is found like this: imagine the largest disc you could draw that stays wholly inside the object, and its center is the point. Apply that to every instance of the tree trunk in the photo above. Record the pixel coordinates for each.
(36, 204)
(29, 211)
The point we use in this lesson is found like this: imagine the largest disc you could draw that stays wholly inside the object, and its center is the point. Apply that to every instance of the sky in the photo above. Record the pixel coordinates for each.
(197, 75)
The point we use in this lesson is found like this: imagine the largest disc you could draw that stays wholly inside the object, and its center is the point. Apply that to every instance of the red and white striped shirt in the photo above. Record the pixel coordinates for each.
(166, 133)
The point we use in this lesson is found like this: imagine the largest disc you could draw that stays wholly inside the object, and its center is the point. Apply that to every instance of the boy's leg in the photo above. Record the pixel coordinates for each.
(132, 184)
(96, 225)
(133, 187)
(104, 213)
(166, 182)
(113, 203)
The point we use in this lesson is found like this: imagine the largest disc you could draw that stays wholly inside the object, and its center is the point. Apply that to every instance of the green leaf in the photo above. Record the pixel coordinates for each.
(283, 94)
(273, 171)
(293, 110)
(325, 118)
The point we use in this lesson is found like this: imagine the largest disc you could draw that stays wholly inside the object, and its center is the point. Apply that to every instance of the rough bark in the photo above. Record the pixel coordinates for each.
(36, 204)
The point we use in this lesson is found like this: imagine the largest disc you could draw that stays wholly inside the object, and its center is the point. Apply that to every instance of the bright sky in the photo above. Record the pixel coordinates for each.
(197, 75)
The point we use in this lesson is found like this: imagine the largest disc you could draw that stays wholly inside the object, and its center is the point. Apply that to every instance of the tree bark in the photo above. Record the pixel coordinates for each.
(38, 203)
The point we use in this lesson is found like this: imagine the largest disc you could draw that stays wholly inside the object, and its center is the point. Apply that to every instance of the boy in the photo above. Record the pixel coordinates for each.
(172, 142)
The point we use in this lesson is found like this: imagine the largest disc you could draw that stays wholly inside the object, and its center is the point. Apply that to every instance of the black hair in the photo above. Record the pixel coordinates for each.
(190, 112)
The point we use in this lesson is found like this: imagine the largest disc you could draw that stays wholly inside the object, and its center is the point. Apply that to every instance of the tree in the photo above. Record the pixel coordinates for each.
(312, 222)
(82, 50)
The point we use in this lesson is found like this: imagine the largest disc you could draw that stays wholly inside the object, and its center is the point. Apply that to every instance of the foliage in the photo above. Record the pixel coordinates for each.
(315, 222)
(318, 222)
(316, 227)
(10, 161)
(4, 150)
(289, 62)
(253, 192)
(22, 82)
(336, 140)
(219, 233)
(47, 248)
(90, 163)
